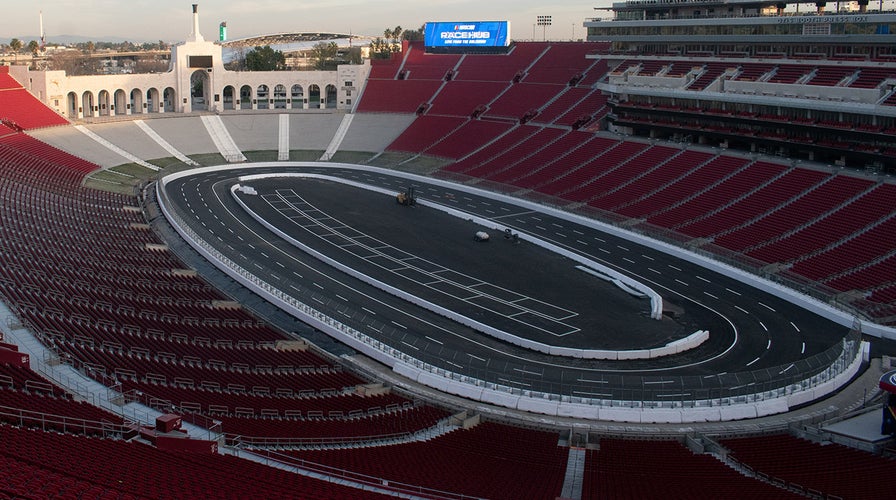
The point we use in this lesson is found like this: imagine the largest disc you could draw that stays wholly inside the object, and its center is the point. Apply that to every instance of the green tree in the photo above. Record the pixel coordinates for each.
(383, 48)
(413, 35)
(265, 59)
(393, 36)
(33, 47)
(324, 55)
(238, 63)
(353, 56)
(380, 49)
(16, 45)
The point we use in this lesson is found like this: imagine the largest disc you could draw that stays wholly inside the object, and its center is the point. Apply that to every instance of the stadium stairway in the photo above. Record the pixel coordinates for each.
(115, 149)
(575, 471)
(283, 137)
(222, 139)
(333, 147)
(165, 144)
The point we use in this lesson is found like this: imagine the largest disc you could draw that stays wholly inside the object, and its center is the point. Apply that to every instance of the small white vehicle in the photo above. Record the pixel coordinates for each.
(480, 236)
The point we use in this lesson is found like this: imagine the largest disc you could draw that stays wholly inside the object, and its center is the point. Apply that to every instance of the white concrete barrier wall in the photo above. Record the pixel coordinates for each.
(646, 415)
(542, 406)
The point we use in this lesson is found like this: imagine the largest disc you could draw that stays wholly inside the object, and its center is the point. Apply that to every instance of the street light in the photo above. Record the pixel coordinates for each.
(544, 22)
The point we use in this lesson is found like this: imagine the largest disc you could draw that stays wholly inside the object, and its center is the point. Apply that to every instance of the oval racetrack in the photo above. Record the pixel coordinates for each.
(756, 339)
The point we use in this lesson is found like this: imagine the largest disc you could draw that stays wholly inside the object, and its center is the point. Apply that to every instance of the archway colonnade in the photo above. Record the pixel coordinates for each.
(119, 102)
(123, 101)
(279, 96)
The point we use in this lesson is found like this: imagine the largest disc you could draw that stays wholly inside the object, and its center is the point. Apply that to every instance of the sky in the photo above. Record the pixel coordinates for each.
(171, 21)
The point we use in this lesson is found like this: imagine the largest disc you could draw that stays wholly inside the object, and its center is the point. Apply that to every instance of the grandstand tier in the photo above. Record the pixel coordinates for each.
(81, 271)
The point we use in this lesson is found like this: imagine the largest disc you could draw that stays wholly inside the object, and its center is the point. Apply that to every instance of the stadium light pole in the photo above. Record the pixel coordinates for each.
(544, 22)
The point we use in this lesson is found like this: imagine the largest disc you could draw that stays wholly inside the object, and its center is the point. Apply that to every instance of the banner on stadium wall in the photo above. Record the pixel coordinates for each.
(467, 34)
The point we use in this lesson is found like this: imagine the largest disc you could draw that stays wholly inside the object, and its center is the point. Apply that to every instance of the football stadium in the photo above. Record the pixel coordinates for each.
(658, 262)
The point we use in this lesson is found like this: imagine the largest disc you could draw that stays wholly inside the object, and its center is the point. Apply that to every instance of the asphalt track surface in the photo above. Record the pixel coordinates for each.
(755, 338)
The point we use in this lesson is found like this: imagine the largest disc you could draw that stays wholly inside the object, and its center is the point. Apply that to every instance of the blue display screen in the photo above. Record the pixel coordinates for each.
(467, 34)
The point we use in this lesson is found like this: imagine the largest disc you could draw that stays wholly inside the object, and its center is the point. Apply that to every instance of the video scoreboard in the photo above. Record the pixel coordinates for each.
(467, 34)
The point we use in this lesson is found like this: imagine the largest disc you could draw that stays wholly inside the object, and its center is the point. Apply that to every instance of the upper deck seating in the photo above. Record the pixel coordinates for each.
(711, 71)
(789, 73)
(830, 76)
(385, 68)
(750, 72)
(870, 78)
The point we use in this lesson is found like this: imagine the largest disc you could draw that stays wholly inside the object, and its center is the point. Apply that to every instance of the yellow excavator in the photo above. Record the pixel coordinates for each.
(407, 198)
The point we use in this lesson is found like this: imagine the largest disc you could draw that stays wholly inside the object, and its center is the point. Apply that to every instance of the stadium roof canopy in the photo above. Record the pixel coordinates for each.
(290, 38)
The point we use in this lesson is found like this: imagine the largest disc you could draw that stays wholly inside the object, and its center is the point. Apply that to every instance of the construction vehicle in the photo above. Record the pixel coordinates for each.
(407, 198)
